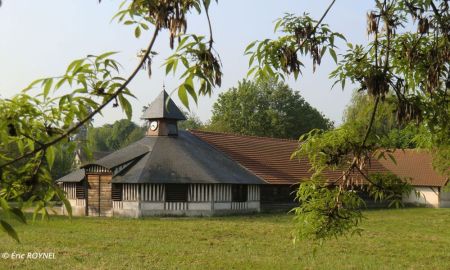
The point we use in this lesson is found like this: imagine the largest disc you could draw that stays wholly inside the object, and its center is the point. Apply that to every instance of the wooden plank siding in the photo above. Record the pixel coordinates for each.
(99, 202)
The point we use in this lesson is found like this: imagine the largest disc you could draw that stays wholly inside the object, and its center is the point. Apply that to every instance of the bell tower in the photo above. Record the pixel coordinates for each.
(162, 116)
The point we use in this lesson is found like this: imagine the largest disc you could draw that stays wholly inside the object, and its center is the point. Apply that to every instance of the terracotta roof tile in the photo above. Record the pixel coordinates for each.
(416, 165)
(269, 159)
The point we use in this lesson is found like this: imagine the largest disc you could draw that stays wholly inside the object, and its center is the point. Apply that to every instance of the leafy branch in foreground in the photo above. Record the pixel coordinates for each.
(411, 68)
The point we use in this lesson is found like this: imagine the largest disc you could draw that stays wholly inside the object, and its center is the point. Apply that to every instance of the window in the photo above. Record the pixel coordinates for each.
(116, 192)
(176, 193)
(239, 193)
(79, 190)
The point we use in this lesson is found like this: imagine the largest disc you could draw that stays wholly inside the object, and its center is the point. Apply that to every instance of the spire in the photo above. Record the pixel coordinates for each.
(163, 107)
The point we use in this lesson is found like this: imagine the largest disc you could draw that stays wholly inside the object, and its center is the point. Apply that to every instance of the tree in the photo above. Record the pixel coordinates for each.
(265, 108)
(407, 58)
(110, 138)
(192, 122)
(391, 133)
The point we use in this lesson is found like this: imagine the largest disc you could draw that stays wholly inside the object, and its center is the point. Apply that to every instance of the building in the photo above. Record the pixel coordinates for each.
(172, 172)
(168, 172)
(269, 159)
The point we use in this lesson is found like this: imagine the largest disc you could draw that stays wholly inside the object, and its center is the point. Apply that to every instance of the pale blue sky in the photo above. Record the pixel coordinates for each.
(40, 38)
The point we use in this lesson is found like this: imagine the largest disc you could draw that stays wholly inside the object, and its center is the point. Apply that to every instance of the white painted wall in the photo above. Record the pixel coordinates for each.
(429, 196)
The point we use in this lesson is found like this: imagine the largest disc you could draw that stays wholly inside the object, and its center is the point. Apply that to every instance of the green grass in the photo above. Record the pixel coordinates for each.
(415, 238)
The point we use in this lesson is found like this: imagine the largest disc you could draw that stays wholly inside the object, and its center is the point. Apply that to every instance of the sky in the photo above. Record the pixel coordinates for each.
(40, 38)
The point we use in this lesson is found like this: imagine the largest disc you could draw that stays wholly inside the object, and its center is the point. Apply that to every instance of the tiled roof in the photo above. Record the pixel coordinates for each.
(414, 164)
(269, 158)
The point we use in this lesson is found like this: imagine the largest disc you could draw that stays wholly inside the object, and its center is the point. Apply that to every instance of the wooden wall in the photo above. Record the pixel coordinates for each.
(99, 202)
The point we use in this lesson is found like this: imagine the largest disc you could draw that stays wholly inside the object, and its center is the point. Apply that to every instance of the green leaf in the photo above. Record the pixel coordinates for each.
(137, 32)
(181, 43)
(189, 85)
(251, 45)
(104, 55)
(144, 26)
(32, 84)
(4, 204)
(185, 62)
(18, 214)
(333, 54)
(74, 65)
(47, 86)
(9, 230)
(182, 94)
(60, 83)
(126, 106)
(169, 65)
(50, 156)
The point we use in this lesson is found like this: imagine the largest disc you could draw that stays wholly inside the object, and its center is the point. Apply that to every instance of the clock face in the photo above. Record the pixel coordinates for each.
(153, 125)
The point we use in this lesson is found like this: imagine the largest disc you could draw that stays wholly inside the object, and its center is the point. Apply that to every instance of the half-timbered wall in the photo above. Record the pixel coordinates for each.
(130, 192)
(196, 193)
(203, 199)
(222, 193)
(152, 192)
(70, 189)
(200, 193)
(253, 193)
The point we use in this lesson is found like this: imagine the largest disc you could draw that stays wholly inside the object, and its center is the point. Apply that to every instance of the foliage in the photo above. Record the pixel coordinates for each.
(388, 187)
(324, 212)
(400, 66)
(299, 37)
(110, 138)
(192, 122)
(265, 108)
(36, 125)
(64, 162)
(390, 133)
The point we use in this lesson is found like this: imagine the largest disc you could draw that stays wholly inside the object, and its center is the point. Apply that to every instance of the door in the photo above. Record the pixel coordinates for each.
(99, 201)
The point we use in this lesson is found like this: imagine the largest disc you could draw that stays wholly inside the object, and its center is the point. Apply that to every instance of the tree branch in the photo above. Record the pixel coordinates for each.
(211, 40)
(317, 24)
(93, 113)
(372, 118)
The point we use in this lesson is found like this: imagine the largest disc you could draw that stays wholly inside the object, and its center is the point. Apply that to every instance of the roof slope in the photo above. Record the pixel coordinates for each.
(75, 176)
(269, 159)
(159, 109)
(185, 159)
(125, 154)
(415, 165)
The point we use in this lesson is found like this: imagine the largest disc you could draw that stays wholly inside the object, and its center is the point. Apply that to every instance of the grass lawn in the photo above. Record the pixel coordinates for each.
(415, 238)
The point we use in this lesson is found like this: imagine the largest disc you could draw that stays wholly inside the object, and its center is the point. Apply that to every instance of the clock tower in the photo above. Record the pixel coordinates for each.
(162, 116)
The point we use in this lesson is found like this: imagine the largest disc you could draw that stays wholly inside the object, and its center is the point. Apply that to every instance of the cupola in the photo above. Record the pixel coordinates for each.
(162, 116)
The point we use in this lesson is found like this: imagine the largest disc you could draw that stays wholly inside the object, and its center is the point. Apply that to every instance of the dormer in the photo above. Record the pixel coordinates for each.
(162, 116)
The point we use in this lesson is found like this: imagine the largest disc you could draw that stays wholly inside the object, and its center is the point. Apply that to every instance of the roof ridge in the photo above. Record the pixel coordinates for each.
(193, 131)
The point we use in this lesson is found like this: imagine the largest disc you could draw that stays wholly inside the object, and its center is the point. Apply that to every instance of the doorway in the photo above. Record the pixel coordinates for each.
(99, 201)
